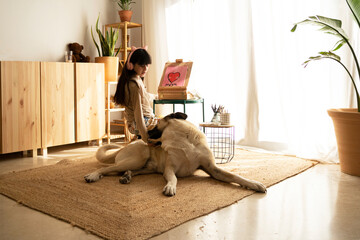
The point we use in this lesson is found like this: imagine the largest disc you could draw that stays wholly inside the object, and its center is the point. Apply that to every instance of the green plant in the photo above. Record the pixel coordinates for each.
(333, 27)
(108, 42)
(124, 4)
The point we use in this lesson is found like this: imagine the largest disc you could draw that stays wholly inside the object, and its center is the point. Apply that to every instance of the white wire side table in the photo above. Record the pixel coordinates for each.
(221, 139)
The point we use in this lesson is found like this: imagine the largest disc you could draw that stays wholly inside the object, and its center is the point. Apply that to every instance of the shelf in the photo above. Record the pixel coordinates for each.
(115, 109)
(117, 124)
(122, 50)
(117, 135)
(122, 25)
(113, 82)
(212, 125)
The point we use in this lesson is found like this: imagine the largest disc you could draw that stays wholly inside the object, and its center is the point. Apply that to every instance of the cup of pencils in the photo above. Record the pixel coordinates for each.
(225, 118)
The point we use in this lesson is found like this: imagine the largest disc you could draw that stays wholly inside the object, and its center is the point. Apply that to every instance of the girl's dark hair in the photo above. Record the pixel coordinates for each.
(140, 57)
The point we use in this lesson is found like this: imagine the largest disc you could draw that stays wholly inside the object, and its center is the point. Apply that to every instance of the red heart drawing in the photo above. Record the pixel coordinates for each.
(173, 76)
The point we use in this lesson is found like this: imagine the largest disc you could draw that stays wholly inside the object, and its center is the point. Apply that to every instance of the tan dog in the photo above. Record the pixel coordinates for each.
(184, 149)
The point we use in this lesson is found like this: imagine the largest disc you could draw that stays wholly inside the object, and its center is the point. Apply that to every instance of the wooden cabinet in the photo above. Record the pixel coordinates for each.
(90, 101)
(46, 104)
(20, 106)
(57, 103)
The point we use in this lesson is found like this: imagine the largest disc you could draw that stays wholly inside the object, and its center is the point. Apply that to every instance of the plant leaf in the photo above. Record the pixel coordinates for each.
(97, 46)
(107, 42)
(111, 43)
(102, 42)
(354, 6)
(333, 27)
(294, 28)
(338, 44)
(322, 55)
(327, 25)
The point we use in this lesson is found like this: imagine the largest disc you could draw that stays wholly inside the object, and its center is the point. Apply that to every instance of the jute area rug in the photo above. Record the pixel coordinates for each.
(138, 210)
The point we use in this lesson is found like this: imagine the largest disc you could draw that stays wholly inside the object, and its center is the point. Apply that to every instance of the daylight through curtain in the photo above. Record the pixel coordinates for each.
(246, 58)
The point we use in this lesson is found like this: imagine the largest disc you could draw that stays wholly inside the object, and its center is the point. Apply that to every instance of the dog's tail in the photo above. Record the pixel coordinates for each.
(102, 157)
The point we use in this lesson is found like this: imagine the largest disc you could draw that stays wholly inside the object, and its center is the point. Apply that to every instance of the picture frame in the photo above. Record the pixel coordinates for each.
(174, 80)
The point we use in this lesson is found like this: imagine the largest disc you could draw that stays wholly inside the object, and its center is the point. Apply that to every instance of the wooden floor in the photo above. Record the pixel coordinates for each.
(320, 203)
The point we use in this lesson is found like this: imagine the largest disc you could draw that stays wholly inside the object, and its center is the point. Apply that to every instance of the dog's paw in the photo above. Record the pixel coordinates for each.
(169, 190)
(261, 188)
(93, 177)
(126, 178)
(257, 186)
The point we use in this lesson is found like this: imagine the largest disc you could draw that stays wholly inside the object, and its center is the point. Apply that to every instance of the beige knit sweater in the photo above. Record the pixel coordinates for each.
(140, 105)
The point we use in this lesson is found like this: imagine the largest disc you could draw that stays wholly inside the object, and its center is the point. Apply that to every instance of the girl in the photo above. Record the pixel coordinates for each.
(131, 92)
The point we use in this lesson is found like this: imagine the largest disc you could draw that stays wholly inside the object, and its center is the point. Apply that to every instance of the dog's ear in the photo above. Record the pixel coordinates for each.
(180, 115)
(155, 133)
(177, 115)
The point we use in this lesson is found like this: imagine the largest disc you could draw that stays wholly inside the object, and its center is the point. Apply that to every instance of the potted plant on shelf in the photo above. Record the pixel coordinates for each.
(346, 120)
(108, 56)
(125, 13)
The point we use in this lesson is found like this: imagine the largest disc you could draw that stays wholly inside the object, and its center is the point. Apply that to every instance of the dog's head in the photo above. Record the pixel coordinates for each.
(177, 115)
(156, 132)
(162, 123)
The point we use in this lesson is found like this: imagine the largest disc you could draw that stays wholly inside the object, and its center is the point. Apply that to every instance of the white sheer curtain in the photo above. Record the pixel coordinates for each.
(246, 58)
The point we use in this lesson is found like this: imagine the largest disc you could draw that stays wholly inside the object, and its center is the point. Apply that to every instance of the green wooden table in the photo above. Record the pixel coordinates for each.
(183, 102)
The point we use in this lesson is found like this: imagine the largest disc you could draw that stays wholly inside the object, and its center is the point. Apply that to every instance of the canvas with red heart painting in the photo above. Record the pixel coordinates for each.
(174, 76)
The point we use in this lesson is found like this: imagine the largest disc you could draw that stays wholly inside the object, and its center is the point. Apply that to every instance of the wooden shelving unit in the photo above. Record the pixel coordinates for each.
(124, 27)
(122, 122)
(123, 52)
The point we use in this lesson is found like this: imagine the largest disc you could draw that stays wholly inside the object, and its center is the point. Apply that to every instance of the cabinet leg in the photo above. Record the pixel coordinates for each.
(44, 152)
(25, 153)
(34, 153)
(99, 142)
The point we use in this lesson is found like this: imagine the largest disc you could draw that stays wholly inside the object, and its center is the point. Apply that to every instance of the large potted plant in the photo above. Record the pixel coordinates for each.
(108, 56)
(125, 13)
(346, 120)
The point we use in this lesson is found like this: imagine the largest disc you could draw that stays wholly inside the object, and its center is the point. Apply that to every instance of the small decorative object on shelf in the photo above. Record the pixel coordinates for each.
(68, 56)
(111, 103)
(225, 118)
(217, 111)
(107, 54)
(76, 50)
(125, 13)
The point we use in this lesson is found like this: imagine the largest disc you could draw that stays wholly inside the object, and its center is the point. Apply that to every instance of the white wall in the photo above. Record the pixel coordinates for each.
(39, 30)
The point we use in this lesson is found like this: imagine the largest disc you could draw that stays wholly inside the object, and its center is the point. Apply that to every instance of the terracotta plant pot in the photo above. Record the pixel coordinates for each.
(111, 67)
(347, 130)
(125, 15)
